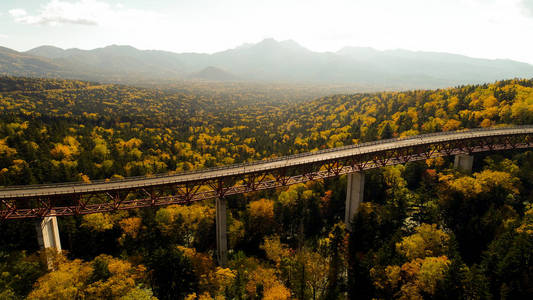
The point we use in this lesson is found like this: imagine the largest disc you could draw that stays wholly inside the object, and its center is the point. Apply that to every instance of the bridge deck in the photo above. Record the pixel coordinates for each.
(231, 170)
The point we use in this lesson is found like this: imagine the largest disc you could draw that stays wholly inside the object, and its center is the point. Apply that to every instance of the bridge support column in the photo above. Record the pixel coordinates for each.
(355, 186)
(48, 233)
(222, 236)
(464, 163)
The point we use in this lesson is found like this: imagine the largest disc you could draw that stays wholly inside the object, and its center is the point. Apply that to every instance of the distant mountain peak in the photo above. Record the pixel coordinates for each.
(214, 74)
(293, 45)
(7, 50)
(115, 46)
(268, 43)
(288, 44)
(120, 49)
(46, 47)
(46, 51)
(267, 47)
(269, 40)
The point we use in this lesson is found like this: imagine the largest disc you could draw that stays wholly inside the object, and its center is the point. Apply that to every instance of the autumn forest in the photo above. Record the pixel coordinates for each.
(424, 230)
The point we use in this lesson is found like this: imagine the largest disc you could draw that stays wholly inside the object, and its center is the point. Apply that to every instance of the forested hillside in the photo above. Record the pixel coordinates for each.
(425, 231)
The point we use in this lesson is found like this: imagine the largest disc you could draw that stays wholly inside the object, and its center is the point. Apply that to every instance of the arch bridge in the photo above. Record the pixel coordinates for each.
(50, 200)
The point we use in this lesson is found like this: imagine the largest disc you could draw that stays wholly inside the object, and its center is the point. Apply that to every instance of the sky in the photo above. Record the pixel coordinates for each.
(477, 28)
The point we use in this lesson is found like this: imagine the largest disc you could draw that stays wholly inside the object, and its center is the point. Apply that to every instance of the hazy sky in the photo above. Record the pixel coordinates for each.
(479, 28)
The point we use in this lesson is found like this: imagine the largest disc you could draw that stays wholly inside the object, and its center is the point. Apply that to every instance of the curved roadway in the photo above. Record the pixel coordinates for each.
(293, 160)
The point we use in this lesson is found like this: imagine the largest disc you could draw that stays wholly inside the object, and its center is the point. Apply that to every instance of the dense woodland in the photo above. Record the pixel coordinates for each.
(425, 231)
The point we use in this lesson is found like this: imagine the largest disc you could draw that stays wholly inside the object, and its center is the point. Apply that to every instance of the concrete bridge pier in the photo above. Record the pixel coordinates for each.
(355, 187)
(48, 233)
(464, 163)
(222, 232)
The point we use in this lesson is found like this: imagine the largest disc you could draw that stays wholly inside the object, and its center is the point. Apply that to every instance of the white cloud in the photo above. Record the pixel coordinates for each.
(82, 12)
(527, 5)
(3, 36)
(18, 13)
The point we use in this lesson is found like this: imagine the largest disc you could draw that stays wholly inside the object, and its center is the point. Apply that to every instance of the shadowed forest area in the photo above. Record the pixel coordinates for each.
(425, 230)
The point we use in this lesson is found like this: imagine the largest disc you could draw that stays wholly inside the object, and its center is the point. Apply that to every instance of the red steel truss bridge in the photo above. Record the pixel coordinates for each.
(37, 201)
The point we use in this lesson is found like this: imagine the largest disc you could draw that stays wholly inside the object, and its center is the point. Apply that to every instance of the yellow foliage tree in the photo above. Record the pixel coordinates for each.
(426, 241)
(121, 279)
(66, 150)
(262, 216)
(277, 292)
(482, 182)
(275, 250)
(526, 226)
(103, 278)
(414, 278)
(262, 209)
(272, 287)
(97, 222)
(294, 193)
(131, 226)
(185, 220)
(5, 150)
(67, 282)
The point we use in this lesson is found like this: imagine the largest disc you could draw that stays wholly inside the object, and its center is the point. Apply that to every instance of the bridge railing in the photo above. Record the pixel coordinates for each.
(265, 161)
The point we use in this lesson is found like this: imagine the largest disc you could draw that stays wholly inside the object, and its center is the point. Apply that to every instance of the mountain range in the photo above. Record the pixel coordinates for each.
(266, 61)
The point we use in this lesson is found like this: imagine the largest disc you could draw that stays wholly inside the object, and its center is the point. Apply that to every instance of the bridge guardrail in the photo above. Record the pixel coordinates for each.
(258, 162)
